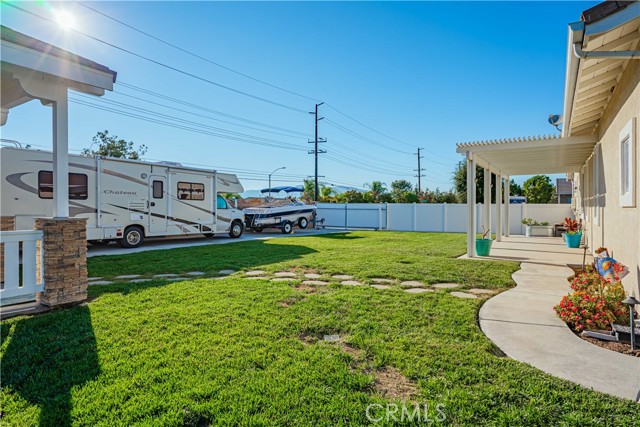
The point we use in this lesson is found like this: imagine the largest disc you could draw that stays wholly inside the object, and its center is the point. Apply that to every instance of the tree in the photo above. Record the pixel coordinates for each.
(326, 193)
(515, 189)
(460, 183)
(309, 189)
(111, 146)
(539, 189)
(376, 189)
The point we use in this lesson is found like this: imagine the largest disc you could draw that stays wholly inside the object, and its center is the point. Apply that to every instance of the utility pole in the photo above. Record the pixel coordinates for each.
(315, 150)
(419, 170)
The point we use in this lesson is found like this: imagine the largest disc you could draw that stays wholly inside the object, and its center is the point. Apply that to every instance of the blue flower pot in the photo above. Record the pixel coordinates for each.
(573, 240)
(483, 247)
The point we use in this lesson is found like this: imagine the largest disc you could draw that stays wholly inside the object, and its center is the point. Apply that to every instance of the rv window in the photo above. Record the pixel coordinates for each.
(190, 191)
(78, 185)
(158, 190)
(222, 203)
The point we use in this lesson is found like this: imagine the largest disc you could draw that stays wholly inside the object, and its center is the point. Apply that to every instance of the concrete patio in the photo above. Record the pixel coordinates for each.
(523, 324)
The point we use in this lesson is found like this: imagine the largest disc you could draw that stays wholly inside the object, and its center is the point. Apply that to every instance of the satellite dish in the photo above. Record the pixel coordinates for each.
(555, 119)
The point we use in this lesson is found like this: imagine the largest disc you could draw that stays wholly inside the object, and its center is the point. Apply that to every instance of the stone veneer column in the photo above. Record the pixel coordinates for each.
(7, 223)
(64, 242)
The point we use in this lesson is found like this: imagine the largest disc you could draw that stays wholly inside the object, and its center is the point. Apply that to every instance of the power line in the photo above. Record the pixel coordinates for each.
(159, 63)
(172, 125)
(364, 138)
(378, 132)
(195, 54)
(204, 116)
(316, 151)
(200, 107)
(189, 122)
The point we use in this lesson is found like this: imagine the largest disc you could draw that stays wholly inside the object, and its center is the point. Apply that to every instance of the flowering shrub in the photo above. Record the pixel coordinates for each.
(586, 282)
(595, 304)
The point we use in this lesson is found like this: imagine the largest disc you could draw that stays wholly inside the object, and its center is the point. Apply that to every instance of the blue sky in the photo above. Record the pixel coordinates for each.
(428, 74)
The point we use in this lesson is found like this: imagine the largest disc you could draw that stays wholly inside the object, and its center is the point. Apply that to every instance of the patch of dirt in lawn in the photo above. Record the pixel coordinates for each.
(289, 301)
(620, 347)
(306, 288)
(391, 384)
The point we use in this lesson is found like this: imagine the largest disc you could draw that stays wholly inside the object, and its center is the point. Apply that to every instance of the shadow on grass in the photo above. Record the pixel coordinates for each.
(46, 357)
(339, 236)
(208, 259)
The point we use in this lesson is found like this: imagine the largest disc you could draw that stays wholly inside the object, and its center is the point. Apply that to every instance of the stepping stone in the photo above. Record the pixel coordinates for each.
(331, 338)
(165, 275)
(226, 272)
(251, 278)
(176, 279)
(381, 286)
(285, 274)
(91, 279)
(312, 275)
(128, 276)
(283, 279)
(342, 277)
(315, 282)
(482, 291)
(381, 280)
(351, 283)
(446, 285)
(255, 273)
(463, 295)
(139, 280)
(418, 290)
(412, 283)
(100, 282)
(195, 273)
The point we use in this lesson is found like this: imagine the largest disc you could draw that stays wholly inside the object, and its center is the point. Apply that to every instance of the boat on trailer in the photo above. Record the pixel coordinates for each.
(282, 214)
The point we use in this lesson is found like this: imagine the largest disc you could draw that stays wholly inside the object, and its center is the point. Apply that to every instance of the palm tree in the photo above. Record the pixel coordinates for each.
(376, 189)
(309, 189)
(325, 193)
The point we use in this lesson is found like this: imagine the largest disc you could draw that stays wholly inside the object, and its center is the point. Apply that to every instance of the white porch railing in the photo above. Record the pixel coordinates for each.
(31, 280)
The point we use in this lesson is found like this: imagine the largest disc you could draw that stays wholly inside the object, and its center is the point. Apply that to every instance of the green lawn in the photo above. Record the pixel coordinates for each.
(237, 351)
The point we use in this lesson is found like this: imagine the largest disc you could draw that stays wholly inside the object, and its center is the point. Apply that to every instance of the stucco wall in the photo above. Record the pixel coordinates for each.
(606, 222)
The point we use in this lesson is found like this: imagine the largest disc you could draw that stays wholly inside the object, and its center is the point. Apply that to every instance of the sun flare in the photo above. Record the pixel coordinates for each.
(65, 19)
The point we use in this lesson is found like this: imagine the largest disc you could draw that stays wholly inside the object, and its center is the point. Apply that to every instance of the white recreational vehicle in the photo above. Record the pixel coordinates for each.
(123, 200)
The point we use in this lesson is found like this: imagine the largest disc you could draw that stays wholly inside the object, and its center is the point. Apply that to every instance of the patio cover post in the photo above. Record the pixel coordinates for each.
(471, 206)
(507, 205)
(486, 213)
(61, 154)
(499, 207)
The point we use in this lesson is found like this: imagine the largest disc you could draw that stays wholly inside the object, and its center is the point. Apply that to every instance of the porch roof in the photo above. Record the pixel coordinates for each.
(531, 155)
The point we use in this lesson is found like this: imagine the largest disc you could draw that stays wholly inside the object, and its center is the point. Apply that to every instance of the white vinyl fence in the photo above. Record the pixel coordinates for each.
(21, 279)
(434, 217)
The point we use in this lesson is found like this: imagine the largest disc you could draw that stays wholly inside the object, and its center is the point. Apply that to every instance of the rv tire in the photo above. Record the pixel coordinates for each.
(133, 237)
(287, 227)
(257, 229)
(236, 229)
(303, 222)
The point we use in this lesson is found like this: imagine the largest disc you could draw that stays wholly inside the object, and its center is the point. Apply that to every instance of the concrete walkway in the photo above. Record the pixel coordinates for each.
(524, 325)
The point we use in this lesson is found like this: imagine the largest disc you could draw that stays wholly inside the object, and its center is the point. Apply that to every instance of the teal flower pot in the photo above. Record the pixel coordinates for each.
(573, 240)
(483, 247)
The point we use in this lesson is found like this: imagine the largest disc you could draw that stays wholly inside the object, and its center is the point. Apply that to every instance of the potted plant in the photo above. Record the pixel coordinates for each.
(483, 245)
(573, 233)
(537, 229)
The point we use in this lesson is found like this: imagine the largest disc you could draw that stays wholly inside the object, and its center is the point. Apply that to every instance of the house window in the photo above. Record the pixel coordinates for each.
(190, 191)
(78, 186)
(158, 189)
(627, 165)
